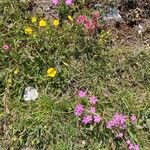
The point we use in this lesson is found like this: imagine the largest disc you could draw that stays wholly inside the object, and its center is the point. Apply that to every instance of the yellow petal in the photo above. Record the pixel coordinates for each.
(70, 18)
(56, 22)
(33, 19)
(42, 23)
(51, 72)
(28, 30)
(16, 71)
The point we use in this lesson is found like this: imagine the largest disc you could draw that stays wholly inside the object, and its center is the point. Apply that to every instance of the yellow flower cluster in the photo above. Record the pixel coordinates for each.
(42, 23)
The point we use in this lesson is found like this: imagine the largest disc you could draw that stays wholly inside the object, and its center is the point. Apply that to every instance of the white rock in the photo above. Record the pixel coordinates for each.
(113, 15)
(30, 93)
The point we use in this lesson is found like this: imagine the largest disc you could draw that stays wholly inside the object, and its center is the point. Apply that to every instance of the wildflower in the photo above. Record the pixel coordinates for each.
(93, 100)
(136, 147)
(55, 2)
(87, 119)
(119, 135)
(92, 110)
(70, 18)
(28, 30)
(133, 119)
(132, 146)
(89, 25)
(5, 47)
(16, 71)
(68, 2)
(82, 94)
(42, 23)
(81, 19)
(56, 22)
(118, 120)
(128, 142)
(78, 110)
(33, 19)
(51, 72)
(97, 118)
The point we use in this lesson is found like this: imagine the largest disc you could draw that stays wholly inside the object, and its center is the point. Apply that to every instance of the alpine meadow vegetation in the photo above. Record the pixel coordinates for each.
(73, 81)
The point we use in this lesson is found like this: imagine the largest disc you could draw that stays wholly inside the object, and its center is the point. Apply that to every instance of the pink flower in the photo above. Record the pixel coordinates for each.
(118, 120)
(128, 142)
(97, 118)
(133, 119)
(93, 100)
(132, 146)
(136, 147)
(81, 19)
(119, 135)
(92, 110)
(87, 119)
(78, 110)
(55, 2)
(5, 47)
(68, 2)
(89, 25)
(82, 94)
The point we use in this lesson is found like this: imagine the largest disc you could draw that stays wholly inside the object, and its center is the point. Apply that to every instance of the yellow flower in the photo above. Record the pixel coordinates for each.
(70, 18)
(51, 72)
(28, 30)
(16, 71)
(42, 23)
(56, 22)
(33, 19)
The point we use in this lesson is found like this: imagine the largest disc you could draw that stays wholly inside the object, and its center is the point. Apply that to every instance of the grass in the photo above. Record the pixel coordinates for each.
(118, 76)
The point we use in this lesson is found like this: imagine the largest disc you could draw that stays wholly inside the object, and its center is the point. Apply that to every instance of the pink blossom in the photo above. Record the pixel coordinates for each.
(78, 110)
(128, 142)
(81, 19)
(82, 94)
(132, 146)
(97, 118)
(133, 119)
(87, 119)
(92, 110)
(136, 147)
(118, 120)
(93, 100)
(55, 2)
(68, 2)
(6, 47)
(89, 25)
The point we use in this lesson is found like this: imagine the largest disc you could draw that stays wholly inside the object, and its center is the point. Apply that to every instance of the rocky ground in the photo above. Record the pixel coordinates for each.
(133, 28)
